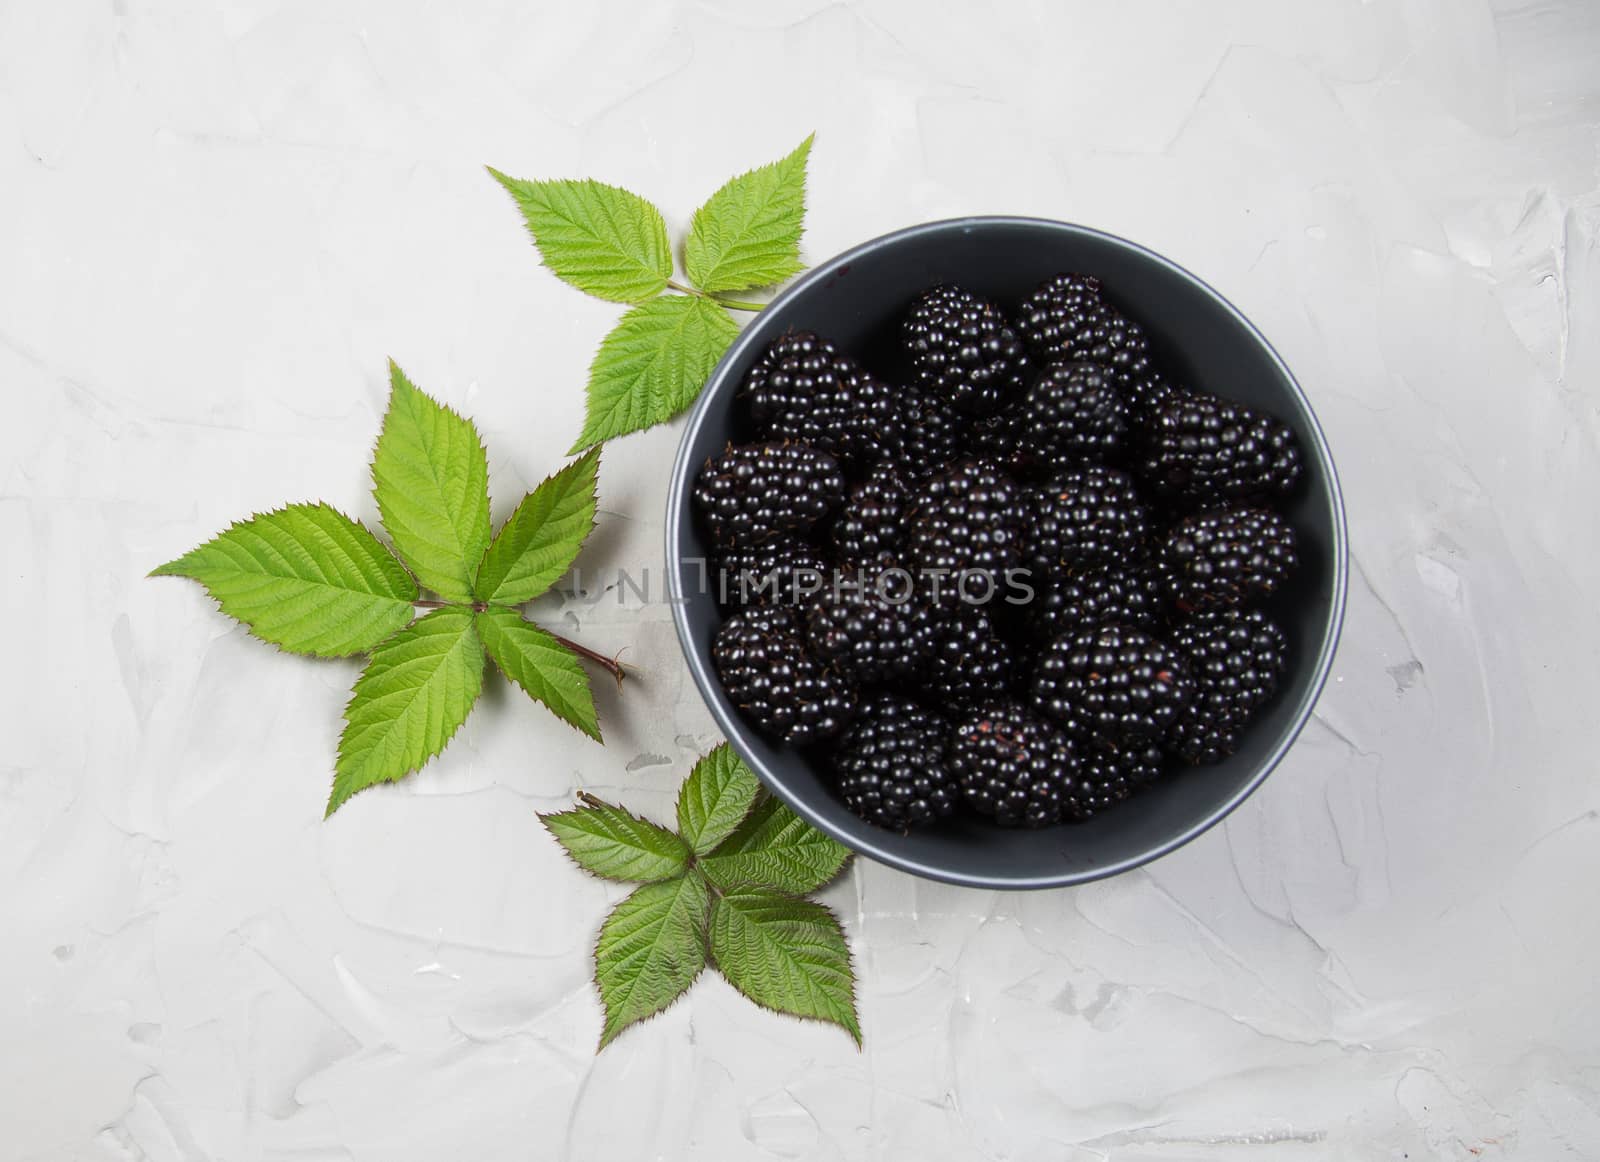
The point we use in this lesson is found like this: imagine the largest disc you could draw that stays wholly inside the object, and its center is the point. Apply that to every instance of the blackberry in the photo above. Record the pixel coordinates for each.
(804, 388)
(756, 493)
(933, 439)
(870, 525)
(1085, 516)
(768, 675)
(867, 623)
(969, 664)
(1096, 596)
(998, 437)
(781, 572)
(890, 765)
(963, 350)
(1200, 448)
(1237, 658)
(966, 521)
(1014, 766)
(1226, 556)
(1112, 683)
(1067, 318)
(1110, 774)
(1072, 414)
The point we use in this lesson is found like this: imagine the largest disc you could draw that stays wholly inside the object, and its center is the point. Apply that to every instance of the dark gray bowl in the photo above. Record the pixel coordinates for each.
(857, 300)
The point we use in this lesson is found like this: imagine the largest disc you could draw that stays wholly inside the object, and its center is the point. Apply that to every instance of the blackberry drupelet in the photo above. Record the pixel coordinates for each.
(1237, 658)
(1099, 595)
(969, 664)
(775, 683)
(1083, 517)
(869, 623)
(756, 493)
(804, 388)
(1226, 556)
(1068, 318)
(781, 572)
(963, 350)
(1110, 774)
(1111, 683)
(871, 524)
(934, 436)
(1199, 449)
(890, 765)
(1072, 414)
(1013, 766)
(965, 531)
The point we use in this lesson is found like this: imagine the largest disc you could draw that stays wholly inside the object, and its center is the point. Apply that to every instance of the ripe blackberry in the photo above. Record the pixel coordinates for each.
(1226, 556)
(963, 350)
(768, 675)
(781, 572)
(1083, 517)
(1200, 448)
(1110, 774)
(1013, 766)
(756, 493)
(1068, 318)
(933, 439)
(869, 624)
(1100, 595)
(1072, 414)
(969, 664)
(1112, 683)
(804, 388)
(890, 765)
(1237, 658)
(966, 526)
(870, 525)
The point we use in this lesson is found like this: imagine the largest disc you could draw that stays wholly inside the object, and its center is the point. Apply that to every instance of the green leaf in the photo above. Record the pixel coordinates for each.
(651, 948)
(540, 540)
(715, 798)
(431, 478)
(413, 696)
(653, 364)
(603, 240)
(748, 234)
(775, 848)
(304, 577)
(617, 844)
(545, 669)
(785, 954)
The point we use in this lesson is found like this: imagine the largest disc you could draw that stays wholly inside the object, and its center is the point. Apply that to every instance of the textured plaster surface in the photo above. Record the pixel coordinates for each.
(218, 218)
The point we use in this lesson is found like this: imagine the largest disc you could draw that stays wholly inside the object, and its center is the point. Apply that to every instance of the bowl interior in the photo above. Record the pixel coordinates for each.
(857, 300)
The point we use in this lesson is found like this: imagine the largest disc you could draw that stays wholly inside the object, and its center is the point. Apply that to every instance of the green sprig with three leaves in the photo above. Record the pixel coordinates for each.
(727, 889)
(613, 244)
(313, 581)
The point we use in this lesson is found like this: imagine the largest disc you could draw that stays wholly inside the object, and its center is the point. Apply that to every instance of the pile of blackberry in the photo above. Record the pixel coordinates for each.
(1019, 576)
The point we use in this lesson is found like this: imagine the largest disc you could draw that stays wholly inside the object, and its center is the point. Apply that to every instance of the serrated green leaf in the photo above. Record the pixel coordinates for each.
(431, 482)
(539, 541)
(748, 233)
(545, 669)
(651, 948)
(653, 364)
(785, 954)
(304, 577)
(775, 848)
(415, 693)
(601, 239)
(617, 844)
(715, 799)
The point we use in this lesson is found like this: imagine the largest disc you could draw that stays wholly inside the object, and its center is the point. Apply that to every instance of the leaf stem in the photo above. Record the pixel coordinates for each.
(731, 304)
(609, 665)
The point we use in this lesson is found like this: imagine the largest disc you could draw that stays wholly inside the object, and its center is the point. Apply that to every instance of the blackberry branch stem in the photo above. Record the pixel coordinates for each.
(731, 304)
